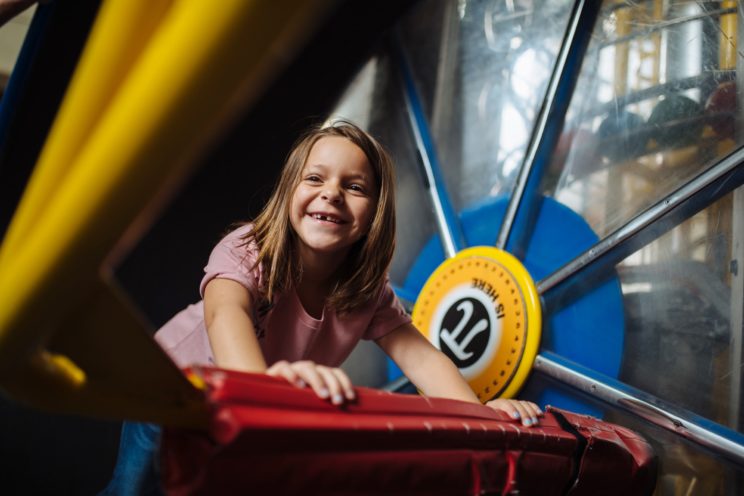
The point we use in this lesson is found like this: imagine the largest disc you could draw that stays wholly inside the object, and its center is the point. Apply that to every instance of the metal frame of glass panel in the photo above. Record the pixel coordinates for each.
(697, 194)
(737, 308)
(688, 425)
(524, 204)
(448, 223)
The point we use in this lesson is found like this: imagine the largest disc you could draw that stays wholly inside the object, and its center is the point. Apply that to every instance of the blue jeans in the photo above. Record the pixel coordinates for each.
(137, 470)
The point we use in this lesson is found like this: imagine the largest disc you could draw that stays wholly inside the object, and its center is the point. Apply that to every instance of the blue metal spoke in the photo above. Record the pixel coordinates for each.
(715, 437)
(450, 230)
(568, 283)
(524, 205)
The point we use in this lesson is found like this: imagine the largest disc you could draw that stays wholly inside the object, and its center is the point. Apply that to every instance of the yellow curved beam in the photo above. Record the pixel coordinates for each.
(202, 64)
(118, 37)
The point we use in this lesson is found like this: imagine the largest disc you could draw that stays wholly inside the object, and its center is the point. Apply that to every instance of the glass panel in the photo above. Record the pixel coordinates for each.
(482, 69)
(684, 468)
(680, 311)
(656, 104)
(683, 303)
(387, 121)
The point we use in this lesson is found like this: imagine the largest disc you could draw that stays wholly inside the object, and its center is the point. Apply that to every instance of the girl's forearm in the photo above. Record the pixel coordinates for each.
(436, 376)
(233, 340)
(428, 368)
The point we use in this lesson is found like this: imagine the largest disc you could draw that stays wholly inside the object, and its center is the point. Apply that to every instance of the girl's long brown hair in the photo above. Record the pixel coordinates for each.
(368, 259)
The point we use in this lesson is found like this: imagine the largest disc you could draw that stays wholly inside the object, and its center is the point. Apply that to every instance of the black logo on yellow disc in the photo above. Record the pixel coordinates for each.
(481, 309)
(465, 331)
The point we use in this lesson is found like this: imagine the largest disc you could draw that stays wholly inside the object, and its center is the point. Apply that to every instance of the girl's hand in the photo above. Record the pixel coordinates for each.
(517, 409)
(328, 383)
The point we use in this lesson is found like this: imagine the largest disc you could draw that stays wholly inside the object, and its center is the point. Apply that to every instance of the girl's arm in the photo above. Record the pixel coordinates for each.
(228, 307)
(435, 375)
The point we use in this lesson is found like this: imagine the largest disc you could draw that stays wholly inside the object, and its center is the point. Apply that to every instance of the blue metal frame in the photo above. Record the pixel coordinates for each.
(453, 239)
(600, 260)
(526, 198)
(714, 437)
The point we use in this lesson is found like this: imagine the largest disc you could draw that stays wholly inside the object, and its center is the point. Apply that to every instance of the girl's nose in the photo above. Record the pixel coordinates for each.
(332, 194)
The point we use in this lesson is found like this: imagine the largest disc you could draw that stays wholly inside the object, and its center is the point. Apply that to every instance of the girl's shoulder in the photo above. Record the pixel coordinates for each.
(235, 257)
(236, 246)
(239, 237)
(239, 232)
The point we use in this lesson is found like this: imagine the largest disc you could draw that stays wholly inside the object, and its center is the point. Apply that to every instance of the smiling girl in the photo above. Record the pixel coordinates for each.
(291, 293)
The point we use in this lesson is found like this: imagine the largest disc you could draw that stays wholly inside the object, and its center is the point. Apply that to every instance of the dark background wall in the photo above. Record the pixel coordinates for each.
(42, 453)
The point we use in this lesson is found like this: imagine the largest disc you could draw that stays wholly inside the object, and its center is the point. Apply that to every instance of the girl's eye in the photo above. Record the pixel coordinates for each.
(357, 188)
(313, 178)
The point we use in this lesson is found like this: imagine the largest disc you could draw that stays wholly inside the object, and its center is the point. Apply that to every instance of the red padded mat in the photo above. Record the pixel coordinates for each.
(268, 437)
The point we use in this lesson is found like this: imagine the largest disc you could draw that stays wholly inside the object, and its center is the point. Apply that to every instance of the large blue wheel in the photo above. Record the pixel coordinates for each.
(559, 235)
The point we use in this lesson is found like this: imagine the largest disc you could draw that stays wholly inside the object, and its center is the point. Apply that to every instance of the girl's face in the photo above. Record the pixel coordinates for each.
(333, 205)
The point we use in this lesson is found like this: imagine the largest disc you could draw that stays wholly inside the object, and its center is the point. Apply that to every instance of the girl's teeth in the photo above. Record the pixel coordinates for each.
(323, 217)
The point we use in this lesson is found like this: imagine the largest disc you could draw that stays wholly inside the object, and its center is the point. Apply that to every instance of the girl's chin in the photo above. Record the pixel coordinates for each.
(326, 248)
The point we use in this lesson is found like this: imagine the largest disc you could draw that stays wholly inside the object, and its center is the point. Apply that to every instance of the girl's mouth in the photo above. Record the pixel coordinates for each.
(327, 218)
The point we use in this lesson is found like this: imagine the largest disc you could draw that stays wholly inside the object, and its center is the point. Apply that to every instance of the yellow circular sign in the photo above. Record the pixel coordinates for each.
(481, 308)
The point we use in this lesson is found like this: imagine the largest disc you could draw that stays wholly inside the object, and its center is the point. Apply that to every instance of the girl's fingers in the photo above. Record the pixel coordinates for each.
(326, 382)
(529, 411)
(338, 383)
(346, 384)
(525, 411)
(283, 369)
(332, 383)
(504, 406)
(522, 413)
(534, 409)
(347, 389)
(309, 373)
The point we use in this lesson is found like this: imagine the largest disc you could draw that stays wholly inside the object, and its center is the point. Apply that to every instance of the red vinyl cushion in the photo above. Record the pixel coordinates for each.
(269, 437)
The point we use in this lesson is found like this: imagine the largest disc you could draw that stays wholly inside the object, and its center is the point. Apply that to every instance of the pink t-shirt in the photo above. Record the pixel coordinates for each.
(285, 330)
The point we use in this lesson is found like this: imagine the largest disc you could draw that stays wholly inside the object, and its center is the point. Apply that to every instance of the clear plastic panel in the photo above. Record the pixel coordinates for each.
(375, 102)
(656, 104)
(683, 304)
(684, 469)
(482, 68)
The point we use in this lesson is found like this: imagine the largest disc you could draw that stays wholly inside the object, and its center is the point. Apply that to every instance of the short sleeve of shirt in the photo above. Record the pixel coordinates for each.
(233, 259)
(388, 316)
